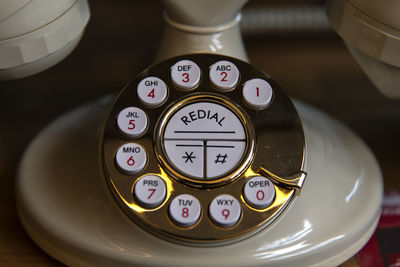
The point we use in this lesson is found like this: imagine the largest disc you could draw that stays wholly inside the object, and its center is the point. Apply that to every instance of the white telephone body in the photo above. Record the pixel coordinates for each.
(201, 160)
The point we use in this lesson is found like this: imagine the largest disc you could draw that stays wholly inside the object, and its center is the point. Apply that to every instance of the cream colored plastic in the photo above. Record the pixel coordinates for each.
(384, 11)
(66, 207)
(371, 29)
(384, 76)
(39, 34)
(209, 27)
(9, 7)
(205, 13)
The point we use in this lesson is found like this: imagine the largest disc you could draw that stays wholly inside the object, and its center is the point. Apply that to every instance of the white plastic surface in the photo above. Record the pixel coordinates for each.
(259, 192)
(131, 158)
(132, 121)
(66, 207)
(19, 17)
(185, 74)
(224, 75)
(204, 35)
(185, 210)
(257, 93)
(206, 13)
(225, 210)
(150, 191)
(152, 91)
(9, 7)
(37, 30)
(370, 29)
(42, 64)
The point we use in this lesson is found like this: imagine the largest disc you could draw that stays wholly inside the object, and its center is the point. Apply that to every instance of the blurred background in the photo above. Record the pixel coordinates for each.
(300, 52)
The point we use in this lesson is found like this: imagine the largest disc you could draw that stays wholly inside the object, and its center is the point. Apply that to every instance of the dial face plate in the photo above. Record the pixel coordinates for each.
(209, 166)
(204, 140)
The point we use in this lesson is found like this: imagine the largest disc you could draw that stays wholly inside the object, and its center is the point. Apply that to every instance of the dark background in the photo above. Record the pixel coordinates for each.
(122, 39)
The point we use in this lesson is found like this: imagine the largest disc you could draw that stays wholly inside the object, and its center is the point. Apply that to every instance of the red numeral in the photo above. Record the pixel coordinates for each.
(186, 77)
(130, 161)
(185, 212)
(258, 91)
(151, 94)
(225, 213)
(152, 190)
(131, 125)
(260, 195)
(224, 74)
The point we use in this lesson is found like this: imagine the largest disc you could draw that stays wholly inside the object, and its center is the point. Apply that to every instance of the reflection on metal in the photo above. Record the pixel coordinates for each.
(295, 181)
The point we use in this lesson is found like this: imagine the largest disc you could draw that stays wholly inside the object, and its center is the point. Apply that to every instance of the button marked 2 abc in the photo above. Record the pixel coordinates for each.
(224, 75)
(131, 158)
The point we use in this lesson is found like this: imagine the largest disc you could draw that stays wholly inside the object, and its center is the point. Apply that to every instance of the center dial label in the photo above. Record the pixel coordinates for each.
(205, 140)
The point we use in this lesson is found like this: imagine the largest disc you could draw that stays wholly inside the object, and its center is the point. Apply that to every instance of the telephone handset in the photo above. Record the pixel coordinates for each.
(203, 149)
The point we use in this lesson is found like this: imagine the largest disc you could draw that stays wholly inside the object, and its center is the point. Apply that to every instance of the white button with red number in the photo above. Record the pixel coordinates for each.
(224, 75)
(150, 191)
(257, 93)
(152, 91)
(259, 192)
(185, 74)
(131, 158)
(225, 210)
(132, 121)
(185, 210)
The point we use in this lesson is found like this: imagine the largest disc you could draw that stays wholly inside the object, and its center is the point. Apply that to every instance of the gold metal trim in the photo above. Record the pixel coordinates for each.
(293, 181)
(277, 151)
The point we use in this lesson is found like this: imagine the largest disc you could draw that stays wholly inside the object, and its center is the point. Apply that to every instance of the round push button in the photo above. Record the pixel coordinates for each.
(150, 191)
(185, 210)
(257, 93)
(131, 158)
(132, 121)
(259, 192)
(225, 210)
(224, 75)
(152, 91)
(185, 74)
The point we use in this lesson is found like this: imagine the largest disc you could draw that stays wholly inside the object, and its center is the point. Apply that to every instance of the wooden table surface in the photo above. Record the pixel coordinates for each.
(121, 40)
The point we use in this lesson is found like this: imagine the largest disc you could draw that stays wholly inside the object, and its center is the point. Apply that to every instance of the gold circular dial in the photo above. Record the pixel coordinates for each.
(206, 164)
